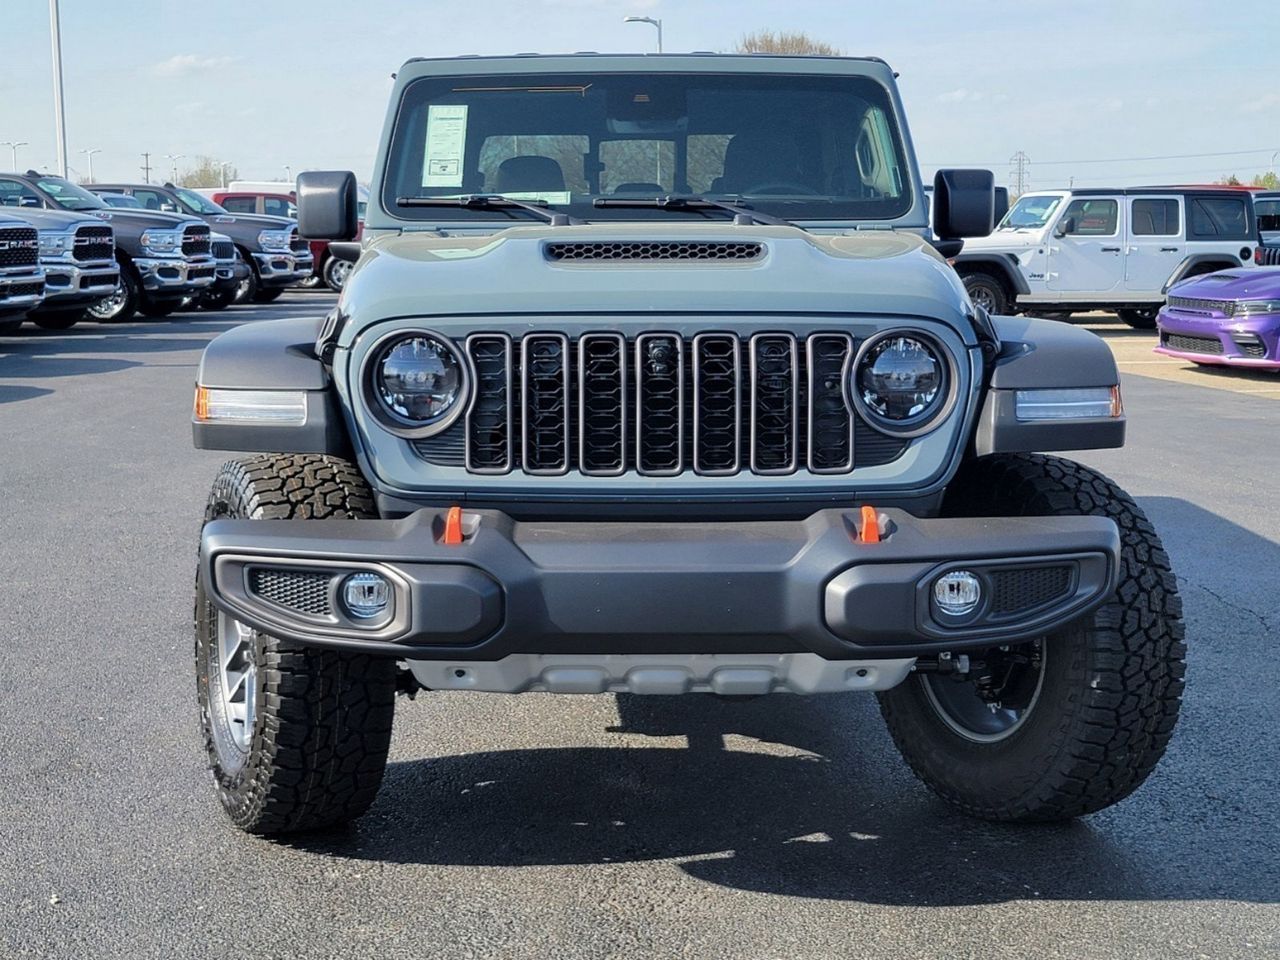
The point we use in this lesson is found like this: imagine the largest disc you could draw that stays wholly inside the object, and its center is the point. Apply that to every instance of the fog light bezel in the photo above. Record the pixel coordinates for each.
(388, 605)
(980, 600)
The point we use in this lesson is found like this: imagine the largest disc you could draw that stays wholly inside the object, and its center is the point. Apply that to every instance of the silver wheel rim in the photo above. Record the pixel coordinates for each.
(338, 273)
(108, 308)
(957, 704)
(242, 290)
(238, 679)
(982, 297)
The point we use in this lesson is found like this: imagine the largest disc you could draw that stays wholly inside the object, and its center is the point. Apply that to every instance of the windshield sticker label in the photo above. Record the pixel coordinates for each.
(546, 196)
(446, 142)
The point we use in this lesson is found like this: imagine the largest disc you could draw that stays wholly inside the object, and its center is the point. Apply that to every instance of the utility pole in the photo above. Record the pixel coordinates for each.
(223, 168)
(1021, 173)
(59, 120)
(15, 144)
(89, 153)
(146, 167)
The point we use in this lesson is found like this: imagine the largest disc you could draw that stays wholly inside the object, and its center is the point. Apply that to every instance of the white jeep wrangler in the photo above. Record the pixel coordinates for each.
(1060, 251)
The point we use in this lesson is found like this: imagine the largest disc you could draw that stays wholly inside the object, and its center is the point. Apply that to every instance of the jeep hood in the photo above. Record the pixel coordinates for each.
(877, 273)
(1231, 285)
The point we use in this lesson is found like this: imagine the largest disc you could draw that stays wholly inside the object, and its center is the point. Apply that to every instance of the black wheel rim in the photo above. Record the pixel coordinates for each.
(982, 713)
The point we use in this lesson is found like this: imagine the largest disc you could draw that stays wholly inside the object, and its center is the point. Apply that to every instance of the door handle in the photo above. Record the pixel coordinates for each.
(1168, 249)
(1110, 249)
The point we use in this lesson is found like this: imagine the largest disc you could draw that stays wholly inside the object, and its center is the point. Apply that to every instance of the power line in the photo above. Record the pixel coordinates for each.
(1170, 156)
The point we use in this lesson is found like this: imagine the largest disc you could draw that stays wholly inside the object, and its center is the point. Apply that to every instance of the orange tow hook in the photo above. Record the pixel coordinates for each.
(869, 529)
(453, 527)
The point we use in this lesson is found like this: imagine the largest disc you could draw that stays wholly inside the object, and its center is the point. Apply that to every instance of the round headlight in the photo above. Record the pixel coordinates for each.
(900, 382)
(420, 380)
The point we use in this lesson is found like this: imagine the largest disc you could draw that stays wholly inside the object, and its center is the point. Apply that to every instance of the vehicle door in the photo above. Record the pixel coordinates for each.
(155, 200)
(1086, 252)
(278, 207)
(1222, 223)
(241, 204)
(1155, 245)
(15, 193)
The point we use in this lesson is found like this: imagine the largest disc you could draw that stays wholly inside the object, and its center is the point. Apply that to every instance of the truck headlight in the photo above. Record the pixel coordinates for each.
(900, 381)
(54, 244)
(161, 242)
(276, 241)
(419, 383)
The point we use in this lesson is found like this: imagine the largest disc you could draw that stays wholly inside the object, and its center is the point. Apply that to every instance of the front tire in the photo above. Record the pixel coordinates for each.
(58, 320)
(159, 309)
(1091, 707)
(297, 737)
(268, 294)
(986, 291)
(336, 272)
(121, 305)
(1140, 318)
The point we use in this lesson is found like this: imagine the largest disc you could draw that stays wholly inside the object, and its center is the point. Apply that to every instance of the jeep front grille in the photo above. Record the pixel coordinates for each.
(19, 247)
(660, 404)
(94, 243)
(195, 241)
(654, 250)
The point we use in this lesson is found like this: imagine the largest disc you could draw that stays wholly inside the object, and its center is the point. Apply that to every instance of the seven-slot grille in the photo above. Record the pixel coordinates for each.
(223, 249)
(1190, 344)
(661, 404)
(1206, 307)
(94, 243)
(19, 247)
(296, 243)
(195, 240)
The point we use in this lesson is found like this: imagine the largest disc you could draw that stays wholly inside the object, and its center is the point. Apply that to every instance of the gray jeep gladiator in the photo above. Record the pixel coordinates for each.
(648, 378)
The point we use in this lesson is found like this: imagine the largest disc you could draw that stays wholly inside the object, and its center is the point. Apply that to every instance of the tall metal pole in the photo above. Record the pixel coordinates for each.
(652, 22)
(89, 153)
(59, 119)
(13, 145)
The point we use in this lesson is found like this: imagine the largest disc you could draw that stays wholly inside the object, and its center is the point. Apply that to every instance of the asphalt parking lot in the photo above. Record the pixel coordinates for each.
(596, 826)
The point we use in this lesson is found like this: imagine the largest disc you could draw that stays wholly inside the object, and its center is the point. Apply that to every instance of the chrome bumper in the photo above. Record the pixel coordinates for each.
(277, 269)
(71, 282)
(176, 274)
(30, 291)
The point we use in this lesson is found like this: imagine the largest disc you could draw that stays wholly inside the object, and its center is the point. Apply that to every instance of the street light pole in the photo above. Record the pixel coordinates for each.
(657, 24)
(173, 158)
(223, 168)
(14, 145)
(89, 153)
(59, 119)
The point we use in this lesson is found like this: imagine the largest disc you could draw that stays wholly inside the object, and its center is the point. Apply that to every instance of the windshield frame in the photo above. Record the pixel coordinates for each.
(399, 147)
(76, 191)
(1055, 206)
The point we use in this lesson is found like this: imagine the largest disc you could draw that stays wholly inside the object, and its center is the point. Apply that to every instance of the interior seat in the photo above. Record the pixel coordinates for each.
(528, 174)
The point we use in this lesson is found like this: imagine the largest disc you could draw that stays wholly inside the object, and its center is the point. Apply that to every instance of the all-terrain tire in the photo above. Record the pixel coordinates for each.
(987, 291)
(1112, 682)
(318, 746)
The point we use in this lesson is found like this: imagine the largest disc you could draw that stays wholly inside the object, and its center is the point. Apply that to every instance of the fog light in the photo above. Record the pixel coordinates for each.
(366, 595)
(957, 593)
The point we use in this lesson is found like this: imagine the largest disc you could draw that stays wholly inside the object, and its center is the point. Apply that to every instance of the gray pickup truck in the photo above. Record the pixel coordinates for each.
(78, 254)
(270, 246)
(21, 276)
(163, 258)
(650, 378)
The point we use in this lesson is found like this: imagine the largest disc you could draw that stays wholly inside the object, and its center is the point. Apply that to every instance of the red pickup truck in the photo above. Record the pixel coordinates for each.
(328, 270)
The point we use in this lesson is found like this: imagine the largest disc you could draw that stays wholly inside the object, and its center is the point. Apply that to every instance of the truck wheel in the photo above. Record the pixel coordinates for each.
(218, 299)
(121, 305)
(297, 737)
(1140, 318)
(336, 272)
(986, 291)
(267, 294)
(158, 309)
(247, 291)
(58, 319)
(1075, 721)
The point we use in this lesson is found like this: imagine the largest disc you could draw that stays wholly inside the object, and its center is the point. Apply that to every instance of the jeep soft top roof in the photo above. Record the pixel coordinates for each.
(1138, 191)
(590, 54)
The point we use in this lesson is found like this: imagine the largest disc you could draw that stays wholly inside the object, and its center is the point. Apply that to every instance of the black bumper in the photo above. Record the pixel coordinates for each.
(766, 587)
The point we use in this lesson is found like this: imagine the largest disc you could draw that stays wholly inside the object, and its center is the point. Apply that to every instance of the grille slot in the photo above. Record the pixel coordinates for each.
(1017, 591)
(19, 247)
(1182, 341)
(655, 250)
(489, 423)
(22, 289)
(774, 402)
(195, 241)
(605, 404)
(305, 591)
(94, 243)
(602, 404)
(1250, 344)
(1202, 306)
(223, 250)
(544, 392)
(659, 404)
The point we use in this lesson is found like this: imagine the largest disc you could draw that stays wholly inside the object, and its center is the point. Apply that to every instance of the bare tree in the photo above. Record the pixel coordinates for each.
(207, 172)
(766, 41)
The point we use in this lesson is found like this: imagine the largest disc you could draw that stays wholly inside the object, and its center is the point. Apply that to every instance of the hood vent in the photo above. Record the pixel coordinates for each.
(654, 250)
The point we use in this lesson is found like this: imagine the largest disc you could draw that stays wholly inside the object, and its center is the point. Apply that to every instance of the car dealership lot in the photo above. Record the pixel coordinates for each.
(594, 826)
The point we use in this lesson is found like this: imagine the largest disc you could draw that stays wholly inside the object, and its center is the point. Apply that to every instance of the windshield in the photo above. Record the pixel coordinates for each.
(1033, 212)
(1268, 212)
(119, 200)
(195, 202)
(799, 147)
(69, 196)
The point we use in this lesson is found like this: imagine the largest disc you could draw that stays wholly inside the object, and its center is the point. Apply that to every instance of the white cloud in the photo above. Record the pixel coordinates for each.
(960, 95)
(1260, 104)
(186, 64)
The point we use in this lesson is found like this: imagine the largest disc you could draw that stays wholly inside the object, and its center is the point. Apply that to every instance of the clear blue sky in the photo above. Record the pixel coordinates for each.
(265, 84)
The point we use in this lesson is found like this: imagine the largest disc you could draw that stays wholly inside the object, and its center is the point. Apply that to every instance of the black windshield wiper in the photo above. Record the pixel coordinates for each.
(488, 201)
(693, 203)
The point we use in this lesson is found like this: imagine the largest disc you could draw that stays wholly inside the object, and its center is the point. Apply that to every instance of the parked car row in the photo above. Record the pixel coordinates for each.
(107, 251)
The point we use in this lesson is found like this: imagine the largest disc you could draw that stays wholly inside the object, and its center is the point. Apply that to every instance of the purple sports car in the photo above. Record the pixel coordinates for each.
(1231, 318)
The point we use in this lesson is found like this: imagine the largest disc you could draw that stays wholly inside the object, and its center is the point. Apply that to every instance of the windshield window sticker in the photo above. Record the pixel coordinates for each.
(446, 142)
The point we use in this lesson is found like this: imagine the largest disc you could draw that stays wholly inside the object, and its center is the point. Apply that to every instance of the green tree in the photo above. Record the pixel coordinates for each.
(207, 172)
(766, 41)
(1267, 180)
(1231, 180)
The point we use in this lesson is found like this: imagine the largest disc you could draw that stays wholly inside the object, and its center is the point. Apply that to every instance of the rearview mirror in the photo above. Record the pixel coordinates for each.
(964, 203)
(327, 205)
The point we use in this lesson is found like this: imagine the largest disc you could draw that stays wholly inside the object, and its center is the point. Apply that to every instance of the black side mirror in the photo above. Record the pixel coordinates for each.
(345, 250)
(1002, 204)
(1065, 225)
(964, 203)
(327, 205)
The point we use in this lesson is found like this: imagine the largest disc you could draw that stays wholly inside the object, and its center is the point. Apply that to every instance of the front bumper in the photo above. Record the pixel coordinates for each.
(67, 284)
(1226, 341)
(20, 292)
(584, 588)
(175, 275)
(230, 274)
(281, 269)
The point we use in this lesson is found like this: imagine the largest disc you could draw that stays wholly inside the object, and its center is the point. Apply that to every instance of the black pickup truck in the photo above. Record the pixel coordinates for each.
(271, 247)
(162, 257)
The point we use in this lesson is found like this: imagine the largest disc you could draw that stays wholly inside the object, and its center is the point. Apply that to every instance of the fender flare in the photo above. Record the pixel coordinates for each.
(1002, 264)
(1183, 269)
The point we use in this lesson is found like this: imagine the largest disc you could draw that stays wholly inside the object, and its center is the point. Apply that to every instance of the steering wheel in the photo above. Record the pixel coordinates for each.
(779, 187)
